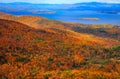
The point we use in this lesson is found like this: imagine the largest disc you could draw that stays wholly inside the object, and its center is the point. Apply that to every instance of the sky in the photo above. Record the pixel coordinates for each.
(59, 1)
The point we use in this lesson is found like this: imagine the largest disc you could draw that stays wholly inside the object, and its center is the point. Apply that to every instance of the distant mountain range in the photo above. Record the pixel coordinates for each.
(28, 7)
(98, 6)
(110, 8)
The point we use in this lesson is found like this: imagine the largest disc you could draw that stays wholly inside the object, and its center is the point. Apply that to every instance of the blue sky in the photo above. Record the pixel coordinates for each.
(60, 1)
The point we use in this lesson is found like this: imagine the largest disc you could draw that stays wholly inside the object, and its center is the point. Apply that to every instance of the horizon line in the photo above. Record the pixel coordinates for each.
(60, 3)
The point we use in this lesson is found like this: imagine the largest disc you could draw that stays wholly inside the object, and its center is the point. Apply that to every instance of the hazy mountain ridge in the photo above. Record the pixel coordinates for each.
(81, 6)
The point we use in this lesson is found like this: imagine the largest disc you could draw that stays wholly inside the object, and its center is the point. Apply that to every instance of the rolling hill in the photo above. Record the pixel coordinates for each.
(103, 30)
(54, 53)
(36, 21)
(34, 47)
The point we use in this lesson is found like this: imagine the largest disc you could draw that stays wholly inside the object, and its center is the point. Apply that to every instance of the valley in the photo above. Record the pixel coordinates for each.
(33, 47)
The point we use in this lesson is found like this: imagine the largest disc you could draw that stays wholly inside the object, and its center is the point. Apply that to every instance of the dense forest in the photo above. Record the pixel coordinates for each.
(39, 48)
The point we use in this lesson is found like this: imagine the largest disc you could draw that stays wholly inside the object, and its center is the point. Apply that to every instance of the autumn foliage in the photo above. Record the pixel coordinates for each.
(55, 53)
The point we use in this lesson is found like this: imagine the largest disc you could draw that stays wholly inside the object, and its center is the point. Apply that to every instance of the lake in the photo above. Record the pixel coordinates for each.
(74, 16)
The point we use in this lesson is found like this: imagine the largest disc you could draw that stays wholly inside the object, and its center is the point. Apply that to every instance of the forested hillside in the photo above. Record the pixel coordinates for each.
(55, 53)
(102, 30)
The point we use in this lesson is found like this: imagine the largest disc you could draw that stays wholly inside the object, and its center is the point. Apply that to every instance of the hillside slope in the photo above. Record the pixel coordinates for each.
(38, 22)
(45, 53)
